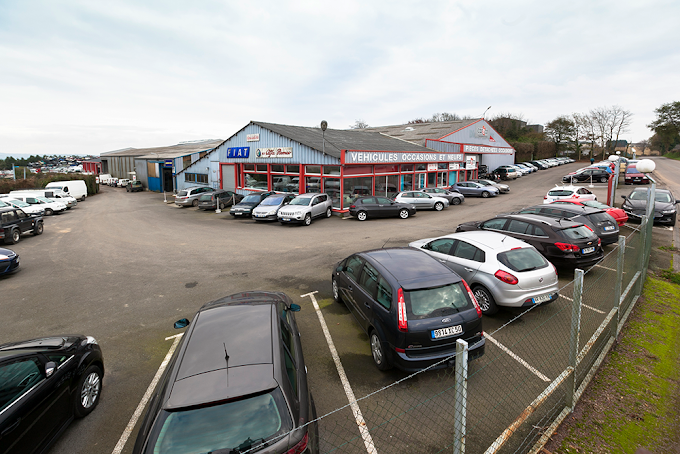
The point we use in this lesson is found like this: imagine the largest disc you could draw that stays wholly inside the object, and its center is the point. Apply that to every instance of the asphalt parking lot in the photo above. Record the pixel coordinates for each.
(124, 266)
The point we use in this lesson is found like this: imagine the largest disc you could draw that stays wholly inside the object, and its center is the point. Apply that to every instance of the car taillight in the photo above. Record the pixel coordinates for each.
(506, 277)
(599, 242)
(401, 308)
(555, 269)
(300, 447)
(353, 206)
(567, 247)
(474, 300)
(545, 197)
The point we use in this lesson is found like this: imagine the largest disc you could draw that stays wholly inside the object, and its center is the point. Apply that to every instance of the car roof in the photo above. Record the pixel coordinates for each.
(489, 240)
(554, 222)
(580, 209)
(229, 351)
(307, 195)
(421, 270)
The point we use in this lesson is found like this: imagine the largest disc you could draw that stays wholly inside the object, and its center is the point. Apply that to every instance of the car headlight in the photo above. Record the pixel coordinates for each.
(272, 212)
(90, 341)
(668, 211)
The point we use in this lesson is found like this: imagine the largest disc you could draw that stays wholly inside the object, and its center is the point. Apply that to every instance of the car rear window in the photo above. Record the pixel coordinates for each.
(205, 198)
(182, 194)
(599, 217)
(577, 233)
(524, 259)
(234, 427)
(432, 302)
(559, 192)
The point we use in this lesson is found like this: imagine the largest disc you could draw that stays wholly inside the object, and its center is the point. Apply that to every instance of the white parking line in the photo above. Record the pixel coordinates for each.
(584, 305)
(517, 358)
(147, 395)
(365, 434)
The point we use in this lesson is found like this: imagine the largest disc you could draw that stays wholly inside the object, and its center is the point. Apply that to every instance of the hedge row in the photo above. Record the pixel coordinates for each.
(39, 181)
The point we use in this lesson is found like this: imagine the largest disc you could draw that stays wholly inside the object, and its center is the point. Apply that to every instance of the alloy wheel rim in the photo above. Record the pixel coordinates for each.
(482, 299)
(335, 289)
(375, 348)
(90, 391)
(404, 214)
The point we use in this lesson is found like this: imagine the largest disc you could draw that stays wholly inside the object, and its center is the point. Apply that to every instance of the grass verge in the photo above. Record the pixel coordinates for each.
(634, 400)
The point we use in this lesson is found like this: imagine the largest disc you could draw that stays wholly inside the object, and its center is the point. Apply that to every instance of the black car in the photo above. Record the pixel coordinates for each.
(134, 186)
(9, 261)
(380, 207)
(236, 383)
(207, 201)
(540, 165)
(593, 175)
(412, 307)
(244, 209)
(14, 222)
(665, 211)
(45, 384)
(598, 220)
(561, 241)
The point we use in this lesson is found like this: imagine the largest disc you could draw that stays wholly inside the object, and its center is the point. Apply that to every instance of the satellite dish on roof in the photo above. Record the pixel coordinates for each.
(324, 125)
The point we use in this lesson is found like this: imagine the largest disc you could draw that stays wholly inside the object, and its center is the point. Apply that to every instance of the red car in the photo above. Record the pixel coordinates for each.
(618, 214)
(633, 175)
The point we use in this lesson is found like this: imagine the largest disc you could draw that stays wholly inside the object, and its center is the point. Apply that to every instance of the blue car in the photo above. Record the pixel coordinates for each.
(9, 261)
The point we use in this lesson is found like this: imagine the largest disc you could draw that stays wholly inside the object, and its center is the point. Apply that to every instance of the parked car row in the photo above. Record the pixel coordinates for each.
(511, 172)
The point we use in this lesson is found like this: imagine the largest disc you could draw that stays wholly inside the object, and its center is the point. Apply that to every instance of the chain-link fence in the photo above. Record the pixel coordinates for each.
(509, 400)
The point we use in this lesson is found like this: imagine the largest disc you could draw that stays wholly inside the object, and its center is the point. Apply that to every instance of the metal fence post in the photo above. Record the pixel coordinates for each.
(644, 224)
(618, 284)
(460, 404)
(575, 333)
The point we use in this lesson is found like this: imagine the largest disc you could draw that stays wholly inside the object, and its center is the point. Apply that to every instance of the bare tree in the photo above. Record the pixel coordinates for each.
(560, 130)
(622, 119)
(586, 130)
(359, 124)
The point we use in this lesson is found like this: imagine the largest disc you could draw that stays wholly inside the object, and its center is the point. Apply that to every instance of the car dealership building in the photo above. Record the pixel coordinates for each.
(347, 163)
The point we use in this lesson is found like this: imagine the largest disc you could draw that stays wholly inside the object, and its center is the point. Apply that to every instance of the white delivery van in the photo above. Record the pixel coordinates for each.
(104, 178)
(74, 188)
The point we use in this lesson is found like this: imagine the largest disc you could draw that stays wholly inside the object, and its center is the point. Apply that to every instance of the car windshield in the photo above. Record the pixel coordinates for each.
(577, 233)
(594, 204)
(524, 259)
(599, 217)
(272, 201)
(631, 169)
(663, 197)
(19, 203)
(251, 199)
(438, 301)
(44, 200)
(182, 194)
(235, 426)
(301, 201)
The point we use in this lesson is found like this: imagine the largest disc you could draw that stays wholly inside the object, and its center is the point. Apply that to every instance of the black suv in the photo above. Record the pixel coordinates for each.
(44, 384)
(236, 383)
(600, 175)
(412, 307)
(561, 241)
(14, 222)
(598, 220)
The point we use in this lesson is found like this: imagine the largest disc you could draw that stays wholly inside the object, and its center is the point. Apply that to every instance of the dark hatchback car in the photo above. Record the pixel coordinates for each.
(236, 383)
(244, 209)
(561, 241)
(380, 207)
(594, 175)
(9, 261)
(665, 210)
(598, 220)
(540, 165)
(208, 200)
(14, 222)
(412, 307)
(134, 186)
(45, 384)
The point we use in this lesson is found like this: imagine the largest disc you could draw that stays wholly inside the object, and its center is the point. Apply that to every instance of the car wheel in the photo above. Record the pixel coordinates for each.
(485, 300)
(362, 216)
(221, 206)
(49, 212)
(88, 391)
(308, 219)
(336, 292)
(673, 219)
(455, 201)
(14, 236)
(438, 206)
(127, 189)
(403, 213)
(38, 229)
(329, 213)
(378, 352)
(194, 203)
(603, 180)
(485, 194)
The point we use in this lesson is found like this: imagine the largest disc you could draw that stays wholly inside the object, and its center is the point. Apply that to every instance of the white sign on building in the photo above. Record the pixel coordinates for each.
(283, 152)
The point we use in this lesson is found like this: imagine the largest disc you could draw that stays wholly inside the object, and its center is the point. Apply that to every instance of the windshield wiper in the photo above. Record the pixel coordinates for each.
(526, 269)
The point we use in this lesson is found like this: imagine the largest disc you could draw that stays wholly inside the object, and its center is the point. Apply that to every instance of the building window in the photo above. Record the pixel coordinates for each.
(293, 169)
(407, 167)
(443, 166)
(196, 177)
(261, 168)
(313, 170)
(256, 181)
(331, 170)
(387, 168)
(250, 167)
(356, 187)
(331, 186)
(186, 160)
(277, 168)
(358, 170)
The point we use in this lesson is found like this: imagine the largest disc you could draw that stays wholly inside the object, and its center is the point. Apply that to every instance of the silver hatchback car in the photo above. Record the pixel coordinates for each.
(501, 270)
(422, 200)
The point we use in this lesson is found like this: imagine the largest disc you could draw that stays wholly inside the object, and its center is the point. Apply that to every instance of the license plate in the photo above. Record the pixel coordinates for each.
(588, 250)
(238, 214)
(542, 298)
(446, 332)
(609, 227)
(261, 215)
(285, 219)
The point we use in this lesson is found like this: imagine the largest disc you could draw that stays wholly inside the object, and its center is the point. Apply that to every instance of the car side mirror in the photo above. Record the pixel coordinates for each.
(50, 367)
(182, 323)
(294, 307)
(623, 196)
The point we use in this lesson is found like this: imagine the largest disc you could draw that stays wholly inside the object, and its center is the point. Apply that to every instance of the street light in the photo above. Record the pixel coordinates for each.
(484, 114)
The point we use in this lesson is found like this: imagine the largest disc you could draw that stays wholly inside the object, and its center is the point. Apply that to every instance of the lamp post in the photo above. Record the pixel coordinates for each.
(324, 126)
(484, 114)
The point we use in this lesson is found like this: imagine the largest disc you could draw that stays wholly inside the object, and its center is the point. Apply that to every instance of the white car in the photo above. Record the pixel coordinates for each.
(46, 204)
(26, 208)
(123, 182)
(568, 192)
(501, 270)
(422, 200)
(305, 207)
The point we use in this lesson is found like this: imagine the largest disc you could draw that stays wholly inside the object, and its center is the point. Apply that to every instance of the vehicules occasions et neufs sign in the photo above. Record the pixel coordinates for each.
(362, 157)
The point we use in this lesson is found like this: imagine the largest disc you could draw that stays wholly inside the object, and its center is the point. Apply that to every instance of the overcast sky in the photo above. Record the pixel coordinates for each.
(86, 77)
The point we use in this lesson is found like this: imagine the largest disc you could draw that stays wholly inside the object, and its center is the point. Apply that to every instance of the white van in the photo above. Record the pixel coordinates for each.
(104, 178)
(74, 188)
(54, 194)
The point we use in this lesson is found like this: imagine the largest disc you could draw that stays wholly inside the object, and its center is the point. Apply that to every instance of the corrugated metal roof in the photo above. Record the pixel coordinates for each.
(172, 151)
(419, 132)
(343, 139)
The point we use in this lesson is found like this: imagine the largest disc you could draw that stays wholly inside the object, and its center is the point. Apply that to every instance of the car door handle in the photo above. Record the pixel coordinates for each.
(368, 306)
(11, 428)
(469, 269)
